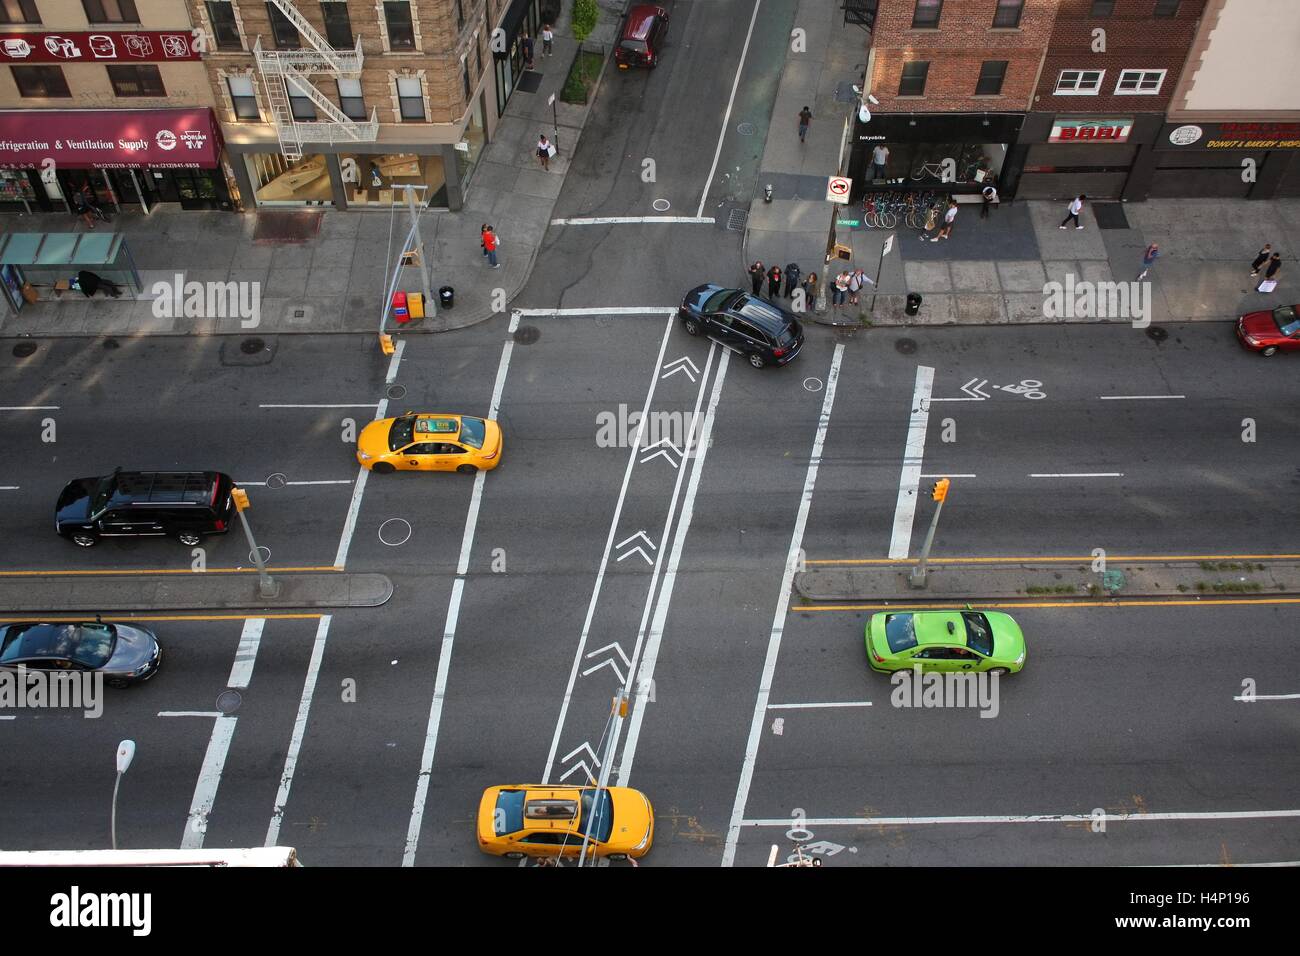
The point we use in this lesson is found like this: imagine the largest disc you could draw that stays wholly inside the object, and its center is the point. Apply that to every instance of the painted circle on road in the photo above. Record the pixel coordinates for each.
(745, 129)
(228, 701)
(661, 205)
(812, 384)
(396, 522)
(396, 391)
(277, 480)
(266, 558)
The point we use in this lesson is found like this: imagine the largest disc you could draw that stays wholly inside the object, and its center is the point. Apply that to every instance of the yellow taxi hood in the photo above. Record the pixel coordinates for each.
(373, 439)
(633, 819)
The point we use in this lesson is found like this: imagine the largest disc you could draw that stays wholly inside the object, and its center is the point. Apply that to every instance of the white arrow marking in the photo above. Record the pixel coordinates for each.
(975, 392)
(618, 650)
(622, 678)
(663, 452)
(683, 364)
(580, 765)
(637, 550)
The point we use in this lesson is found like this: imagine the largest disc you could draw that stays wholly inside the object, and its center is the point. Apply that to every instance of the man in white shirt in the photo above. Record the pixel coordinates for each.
(948, 218)
(990, 194)
(1076, 207)
(879, 157)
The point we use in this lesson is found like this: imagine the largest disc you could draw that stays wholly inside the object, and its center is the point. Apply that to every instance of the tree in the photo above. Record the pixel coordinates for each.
(582, 22)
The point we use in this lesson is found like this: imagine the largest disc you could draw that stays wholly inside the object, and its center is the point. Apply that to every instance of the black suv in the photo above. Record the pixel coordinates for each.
(764, 333)
(185, 504)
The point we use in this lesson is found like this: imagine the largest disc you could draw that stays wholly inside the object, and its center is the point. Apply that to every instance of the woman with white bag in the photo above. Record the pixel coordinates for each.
(1269, 282)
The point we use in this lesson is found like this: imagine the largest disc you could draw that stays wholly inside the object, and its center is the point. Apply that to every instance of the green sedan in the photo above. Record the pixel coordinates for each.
(945, 641)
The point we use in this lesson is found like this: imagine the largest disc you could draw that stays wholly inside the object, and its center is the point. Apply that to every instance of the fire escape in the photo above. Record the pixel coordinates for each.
(283, 69)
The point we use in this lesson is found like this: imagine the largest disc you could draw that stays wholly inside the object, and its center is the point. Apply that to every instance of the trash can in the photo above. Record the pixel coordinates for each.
(446, 297)
(913, 303)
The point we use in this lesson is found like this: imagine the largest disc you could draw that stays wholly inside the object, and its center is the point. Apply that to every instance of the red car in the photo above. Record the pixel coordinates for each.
(641, 38)
(1271, 330)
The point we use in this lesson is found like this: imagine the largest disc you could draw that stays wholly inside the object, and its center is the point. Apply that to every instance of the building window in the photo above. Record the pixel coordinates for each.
(1139, 82)
(224, 28)
(285, 33)
(1008, 13)
(138, 79)
(243, 97)
(1079, 82)
(926, 15)
(351, 102)
(401, 35)
(410, 98)
(478, 59)
(338, 28)
(464, 72)
(1166, 8)
(992, 73)
(110, 11)
(300, 104)
(913, 81)
(1102, 8)
(19, 11)
(42, 81)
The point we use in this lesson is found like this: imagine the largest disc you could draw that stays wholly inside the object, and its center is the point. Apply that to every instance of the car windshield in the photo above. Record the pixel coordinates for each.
(1286, 320)
(103, 491)
(900, 632)
(714, 302)
(401, 432)
(979, 633)
(603, 824)
(633, 46)
(88, 644)
(472, 431)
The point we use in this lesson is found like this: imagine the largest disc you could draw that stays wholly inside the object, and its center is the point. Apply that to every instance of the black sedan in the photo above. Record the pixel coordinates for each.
(124, 654)
(764, 333)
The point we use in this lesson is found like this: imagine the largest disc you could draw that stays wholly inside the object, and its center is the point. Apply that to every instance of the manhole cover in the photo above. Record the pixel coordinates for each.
(527, 334)
(661, 205)
(1157, 334)
(251, 346)
(745, 129)
(395, 391)
(228, 701)
(263, 552)
(905, 346)
(24, 349)
(111, 344)
(737, 218)
(395, 532)
(277, 480)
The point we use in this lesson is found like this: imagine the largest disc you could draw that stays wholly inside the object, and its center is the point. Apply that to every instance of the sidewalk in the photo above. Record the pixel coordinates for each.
(993, 271)
(336, 280)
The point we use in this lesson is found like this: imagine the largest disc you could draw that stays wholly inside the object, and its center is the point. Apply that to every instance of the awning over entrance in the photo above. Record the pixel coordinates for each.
(110, 139)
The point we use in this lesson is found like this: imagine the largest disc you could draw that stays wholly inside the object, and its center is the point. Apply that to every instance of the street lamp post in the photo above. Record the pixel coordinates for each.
(125, 753)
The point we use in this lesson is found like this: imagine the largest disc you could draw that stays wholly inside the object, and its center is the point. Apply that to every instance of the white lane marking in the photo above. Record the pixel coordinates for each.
(354, 505)
(299, 730)
(395, 361)
(613, 220)
(205, 790)
(190, 713)
(604, 556)
(948, 474)
(1135, 398)
(354, 405)
(956, 399)
(1076, 474)
(722, 133)
(644, 675)
(29, 408)
(844, 703)
(618, 310)
(909, 479)
(8, 487)
(793, 559)
(453, 618)
(1028, 818)
(7, 718)
(1256, 697)
(332, 481)
(249, 641)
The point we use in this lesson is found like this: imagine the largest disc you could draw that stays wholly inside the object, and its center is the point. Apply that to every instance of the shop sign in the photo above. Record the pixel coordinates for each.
(110, 139)
(1230, 136)
(1090, 130)
(150, 46)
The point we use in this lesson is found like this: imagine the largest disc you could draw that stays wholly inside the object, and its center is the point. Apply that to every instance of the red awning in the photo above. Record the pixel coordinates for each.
(110, 139)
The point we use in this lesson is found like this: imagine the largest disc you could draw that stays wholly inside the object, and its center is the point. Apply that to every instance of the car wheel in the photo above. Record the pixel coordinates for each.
(1271, 350)
(692, 327)
(513, 856)
(188, 538)
(1000, 671)
(84, 540)
(382, 468)
(467, 470)
(756, 360)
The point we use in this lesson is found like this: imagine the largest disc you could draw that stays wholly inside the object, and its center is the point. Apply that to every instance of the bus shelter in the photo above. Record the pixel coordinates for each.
(33, 263)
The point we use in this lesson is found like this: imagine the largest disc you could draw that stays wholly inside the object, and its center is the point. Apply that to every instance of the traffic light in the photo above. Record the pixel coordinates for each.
(240, 497)
(940, 490)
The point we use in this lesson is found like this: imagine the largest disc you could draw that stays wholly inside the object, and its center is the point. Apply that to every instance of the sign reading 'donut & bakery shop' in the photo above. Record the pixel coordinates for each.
(1245, 135)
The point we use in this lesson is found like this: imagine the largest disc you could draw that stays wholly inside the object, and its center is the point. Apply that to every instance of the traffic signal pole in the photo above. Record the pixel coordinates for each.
(939, 493)
(267, 586)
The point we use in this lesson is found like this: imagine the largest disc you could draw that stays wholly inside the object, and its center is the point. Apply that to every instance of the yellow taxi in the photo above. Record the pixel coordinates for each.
(545, 821)
(430, 442)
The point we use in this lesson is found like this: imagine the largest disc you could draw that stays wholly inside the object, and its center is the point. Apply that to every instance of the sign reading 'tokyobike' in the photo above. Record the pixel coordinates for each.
(1090, 130)
(150, 46)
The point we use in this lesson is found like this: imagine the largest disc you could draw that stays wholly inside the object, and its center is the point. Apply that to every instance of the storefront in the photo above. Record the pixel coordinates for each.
(124, 157)
(947, 152)
(1062, 155)
(1240, 160)
(523, 17)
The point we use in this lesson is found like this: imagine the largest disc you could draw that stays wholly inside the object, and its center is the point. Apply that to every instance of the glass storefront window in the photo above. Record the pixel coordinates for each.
(475, 137)
(15, 186)
(922, 165)
(278, 182)
(376, 179)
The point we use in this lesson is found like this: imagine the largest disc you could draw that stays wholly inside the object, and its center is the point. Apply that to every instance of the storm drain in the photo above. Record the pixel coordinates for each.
(527, 334)
(737, 218)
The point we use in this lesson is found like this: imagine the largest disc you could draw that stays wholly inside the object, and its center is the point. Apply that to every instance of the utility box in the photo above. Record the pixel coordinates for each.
(401, 314)
(415, 304)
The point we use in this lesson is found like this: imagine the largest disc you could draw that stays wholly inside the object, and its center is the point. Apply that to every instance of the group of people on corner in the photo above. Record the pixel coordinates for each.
(847, 284)
(490, 243)
(526, 45)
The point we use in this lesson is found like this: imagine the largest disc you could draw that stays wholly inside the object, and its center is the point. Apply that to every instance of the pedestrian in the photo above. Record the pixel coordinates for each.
(1270, 274)
(1148, 259)
(1076, 207)
(855, 286)
(756, 273)
(879, 158)
(809, 289)
(792, 274)
(490, 244)
(376, 179)
(774, 282)
(526, 44)
(547, 37)
(990, 194)
(82, 208)
(948, 218)
(545, 151)
(805, 117)
(1261, 258)
(482, 238)
(841, 288)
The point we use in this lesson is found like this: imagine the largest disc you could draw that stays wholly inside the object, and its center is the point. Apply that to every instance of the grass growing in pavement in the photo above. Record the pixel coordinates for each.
(1230, 587)
(1053, 589)
(582, 76)
(1229, 566)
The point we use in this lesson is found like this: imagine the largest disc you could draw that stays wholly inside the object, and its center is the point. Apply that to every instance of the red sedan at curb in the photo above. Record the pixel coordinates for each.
(1271, 330)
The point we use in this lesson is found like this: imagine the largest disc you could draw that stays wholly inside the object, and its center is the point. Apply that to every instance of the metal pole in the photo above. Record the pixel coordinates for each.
(917, 578)
(606, 765)
(139, 191)
(555, 120)
(267, 585)
(116, 784)
(429, 304)
(875, 286)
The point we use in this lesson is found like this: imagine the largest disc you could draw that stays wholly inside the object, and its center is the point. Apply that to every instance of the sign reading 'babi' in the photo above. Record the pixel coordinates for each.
(1090, 130)
(138, 47)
